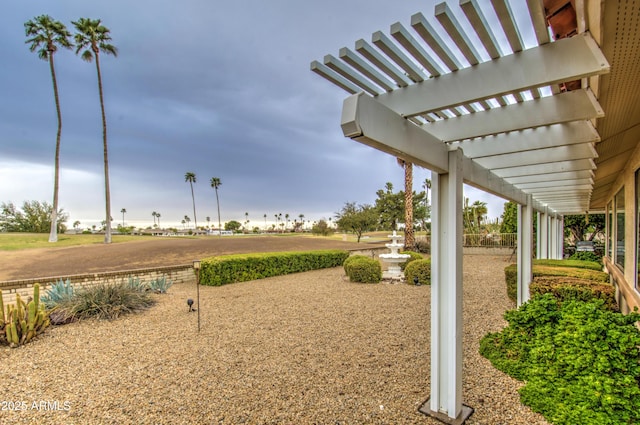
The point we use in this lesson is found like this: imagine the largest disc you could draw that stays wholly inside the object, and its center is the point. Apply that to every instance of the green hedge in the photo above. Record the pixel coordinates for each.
(574, 288)
(562, 268)
(216, 271)
(580, 362)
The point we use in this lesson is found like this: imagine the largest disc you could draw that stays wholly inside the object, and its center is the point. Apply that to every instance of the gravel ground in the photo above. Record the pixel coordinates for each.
(309, 348)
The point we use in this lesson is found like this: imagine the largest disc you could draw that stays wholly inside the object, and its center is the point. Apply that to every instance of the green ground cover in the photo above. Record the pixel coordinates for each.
(18, 241)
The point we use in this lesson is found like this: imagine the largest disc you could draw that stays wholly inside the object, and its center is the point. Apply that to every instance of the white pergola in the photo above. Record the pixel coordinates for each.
(497, 117)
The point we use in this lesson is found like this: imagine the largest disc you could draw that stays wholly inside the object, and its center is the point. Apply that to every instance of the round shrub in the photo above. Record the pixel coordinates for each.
(347, 263)
(364, 270)
(420, 269)
(413, 256)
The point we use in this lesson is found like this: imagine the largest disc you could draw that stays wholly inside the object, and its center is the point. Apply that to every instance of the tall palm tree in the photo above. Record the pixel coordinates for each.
(123, 211)
(216, 183)
(154, 214)
(191, 178)
(45, 35)
(409, 239)
(265, 222)
(158, 217)
(479, 212)
(92, 37)
(187, 220)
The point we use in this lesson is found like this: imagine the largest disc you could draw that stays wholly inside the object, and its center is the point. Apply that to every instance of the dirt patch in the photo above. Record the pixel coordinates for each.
(47, 262)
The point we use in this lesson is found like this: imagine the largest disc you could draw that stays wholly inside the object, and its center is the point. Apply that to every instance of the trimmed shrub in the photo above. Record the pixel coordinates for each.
(579, 361)
(420, 269)
(216, 271)
(413, 256)
(574, 288)
(577, 269)
(365, 270)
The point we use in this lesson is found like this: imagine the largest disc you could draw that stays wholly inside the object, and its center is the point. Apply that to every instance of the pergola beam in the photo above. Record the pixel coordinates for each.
(535, 67)
(578, 105)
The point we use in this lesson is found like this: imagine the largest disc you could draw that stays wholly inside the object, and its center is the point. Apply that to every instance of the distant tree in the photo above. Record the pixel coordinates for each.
(123, 211)
(509, 218)
(265, 222)
(232, 225)
(187, 220)
(34, 217)
(158, 217)
(191, 178)
(582, 226)
(208, 222)
(45, 35)
(76, 224)
(183, 221)
(391, 206)
(215, 183)
(93, 38)
(154, 214)
(356, 218)
(321, 228)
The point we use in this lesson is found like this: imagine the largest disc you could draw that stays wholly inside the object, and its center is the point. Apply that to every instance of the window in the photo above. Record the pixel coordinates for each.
(619, 243)
(610, 229)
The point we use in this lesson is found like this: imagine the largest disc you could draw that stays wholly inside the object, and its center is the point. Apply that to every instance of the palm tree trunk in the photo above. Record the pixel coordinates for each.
(218, 204)
(409, 239)
(193, 201)
(107, 193)
(53, 235)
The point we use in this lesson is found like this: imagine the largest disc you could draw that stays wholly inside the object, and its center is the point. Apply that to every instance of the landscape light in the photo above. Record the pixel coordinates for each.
(196, 267)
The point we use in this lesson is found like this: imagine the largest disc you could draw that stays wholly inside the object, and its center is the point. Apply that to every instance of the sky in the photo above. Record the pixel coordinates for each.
(218, 88)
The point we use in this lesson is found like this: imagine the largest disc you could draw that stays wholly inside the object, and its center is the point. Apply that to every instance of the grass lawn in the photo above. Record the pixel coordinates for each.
(17, 241)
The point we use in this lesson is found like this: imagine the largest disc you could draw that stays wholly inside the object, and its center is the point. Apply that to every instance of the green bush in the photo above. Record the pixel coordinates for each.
(423, 246)
(364, 270)
(580, 361)
(420, 269)
(103, 301)
(413, 256)
(225, 269)
(586, 256)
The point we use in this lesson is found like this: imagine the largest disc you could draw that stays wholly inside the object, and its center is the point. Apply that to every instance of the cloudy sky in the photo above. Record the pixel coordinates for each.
(218, 88)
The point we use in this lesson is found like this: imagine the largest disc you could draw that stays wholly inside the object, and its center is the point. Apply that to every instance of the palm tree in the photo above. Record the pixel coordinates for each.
(208, 222)
(286, 216)
(479, 209)
(216, 183)
(187, 220)
(154, 214)
(158, 216)
(301, 217)
(93, 38)
(409, 239)
(191, 178)
(265, 222)
(46, 35)
(124, 210)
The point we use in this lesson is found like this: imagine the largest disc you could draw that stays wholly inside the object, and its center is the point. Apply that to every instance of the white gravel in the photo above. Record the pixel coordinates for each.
(310, 348)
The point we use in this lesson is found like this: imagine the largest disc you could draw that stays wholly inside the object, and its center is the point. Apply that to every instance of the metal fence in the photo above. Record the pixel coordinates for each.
(506, 240)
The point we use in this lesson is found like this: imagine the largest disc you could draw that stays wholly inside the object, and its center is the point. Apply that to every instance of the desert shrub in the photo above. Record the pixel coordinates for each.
(364, 270)
(420, 269)
(58, 292)
(217, 271)
(104, 301)
(413, 256)
(586, 256)
(423, 246)
(580, 361)
(574, 288)
(136, 284)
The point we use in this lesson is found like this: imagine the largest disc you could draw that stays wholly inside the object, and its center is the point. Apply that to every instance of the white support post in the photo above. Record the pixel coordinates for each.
(560, 254)
(553, 234)
(538, 238)
(543, 232)
(445, 402)
(525, 233)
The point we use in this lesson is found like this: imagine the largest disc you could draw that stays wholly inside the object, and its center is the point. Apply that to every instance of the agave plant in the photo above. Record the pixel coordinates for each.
(59, 292)
(137, 284)
(160, 285)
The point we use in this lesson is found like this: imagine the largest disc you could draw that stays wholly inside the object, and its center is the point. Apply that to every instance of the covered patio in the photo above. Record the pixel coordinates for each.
(535, 102)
